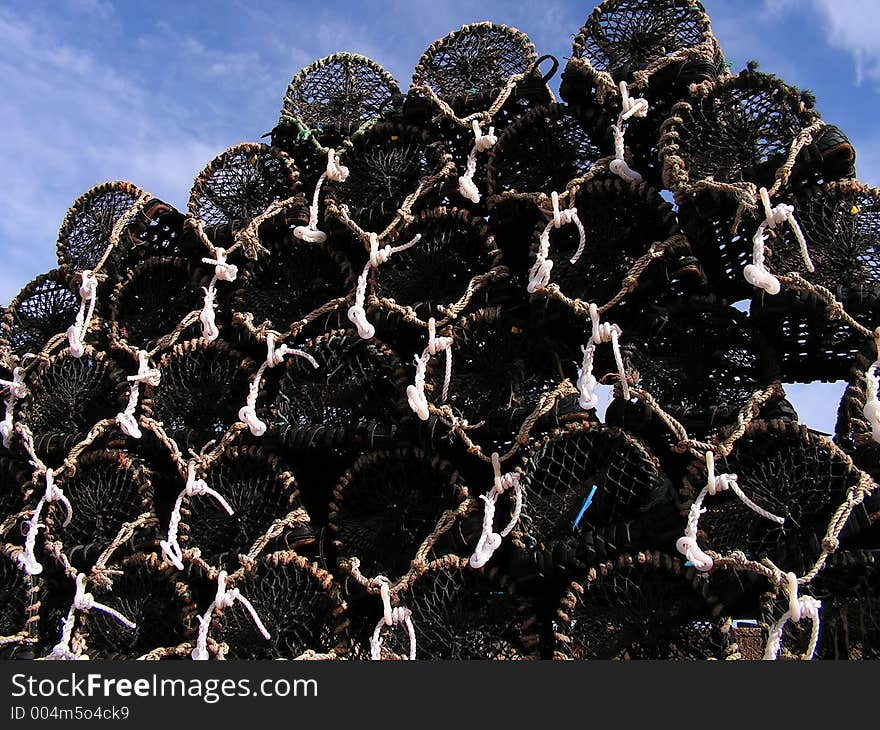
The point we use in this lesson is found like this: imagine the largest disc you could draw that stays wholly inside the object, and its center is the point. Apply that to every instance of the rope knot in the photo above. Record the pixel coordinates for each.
(490, 540)
(224, 598)
(483, 142)
(208, 317)
(17, 387)
(222, 270)
(335, 170)
(76, 333)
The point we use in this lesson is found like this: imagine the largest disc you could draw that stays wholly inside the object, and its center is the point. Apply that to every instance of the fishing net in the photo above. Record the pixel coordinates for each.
(788, 471)
(14, 478)
(85, 234)
(17, 600)
(154, 296)
(203, 385)
(642, 606)
(265, 503)
(459, 614)
(44, 308)
(353, 398)
(580, 481)
(68, 395)
(298, 602)
(149, 594)
(388, 504)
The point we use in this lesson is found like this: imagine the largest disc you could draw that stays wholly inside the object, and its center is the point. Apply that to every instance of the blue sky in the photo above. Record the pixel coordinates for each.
(96, 90)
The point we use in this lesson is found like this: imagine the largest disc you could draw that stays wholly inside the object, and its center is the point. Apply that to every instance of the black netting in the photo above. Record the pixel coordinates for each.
(644, 607)
(15, 596)
(299, 605)
(258, 490)
(85, 232)
(354, 396)
(148, 594)
(154, 297)
(14, 478)
(462, 614)
(203, 386)
(387, 504)
(68, 395)
(44, 308)
(158, 230)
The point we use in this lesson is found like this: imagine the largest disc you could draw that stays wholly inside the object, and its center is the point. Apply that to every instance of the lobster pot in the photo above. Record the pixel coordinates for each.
(86, 231)
(853, 431)
(587, 490)
(299, 604)
(387, 506)
(266, 506)
(146, 592)
(159, 229)
(153, 299)
(353, 399)
(46, 307)
(109, 489)
(296, 283)
(18, 604)
(203, 386)
(642, 606)
(840, 222)
(622, 223)
(15, 478)
(452, 242)
(331, 100)
(502, 367)
(238, 186)
(792, 473)
(459, 614)
(727, 361)
(67, 396)
(387, 163)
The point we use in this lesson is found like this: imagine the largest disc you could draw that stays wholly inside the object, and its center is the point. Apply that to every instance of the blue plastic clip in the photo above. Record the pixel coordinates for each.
(587, 502)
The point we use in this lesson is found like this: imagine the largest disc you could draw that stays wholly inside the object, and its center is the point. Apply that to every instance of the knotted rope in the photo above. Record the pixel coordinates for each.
(871, 409)
(629, 108)
(76, 333)
(586, 383)
(399, 615)
(799, 607)
(467, 188)
(334, 171)
(224, 598)
(490, 540)
(415, 394)
(52, 493)
(145, 374)
(539, 274)
(17, 391)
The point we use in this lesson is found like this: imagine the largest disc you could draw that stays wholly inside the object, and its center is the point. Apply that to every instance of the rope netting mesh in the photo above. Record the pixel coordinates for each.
(343, 407)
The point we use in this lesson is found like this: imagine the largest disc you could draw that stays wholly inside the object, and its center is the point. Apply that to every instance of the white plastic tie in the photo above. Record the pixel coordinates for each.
(357, 313)
(76, 333)
(222, 270)
(224, 598)
(490, 540)
(415, 394)
(399, 615)
(482, 142)
(52, 493)
(145, 374)
(171, 547)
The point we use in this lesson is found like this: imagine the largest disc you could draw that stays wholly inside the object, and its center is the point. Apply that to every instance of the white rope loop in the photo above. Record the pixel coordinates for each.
(17, 390)
(687, 544)
(145, 374)
(415, 394)
(52, 493)
(871, 409)
(334, 171)
(467, 188)
(490, 540)
(399, 615)
(223, 271)
(208, 316)
(76, 333)
(224, 598)
(539, 274)
(630, 107)
(799, 607)
(378, 256)
(602, 332)
(84, 602)
(274, 356)
(194, 487)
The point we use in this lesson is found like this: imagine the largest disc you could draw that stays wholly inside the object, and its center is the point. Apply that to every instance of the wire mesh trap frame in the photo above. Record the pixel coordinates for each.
(203, 385)
(14, 478)
(150, 594)
(579, 484)
(458, 614)
(45, 307)
(68, 397)
(627, 230)
(19, 602)
(159, 230)
(506, 377)
(337, 97)
(295, 284)
(386, 509)
(642, 606)
(648, 44)
(266, 507)
(354, 398)
(112, 498)
(788, 471)
(453, 243)
(152, 299)
(237, 193)
(853, 431)
(298, 603)
(86, 240)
